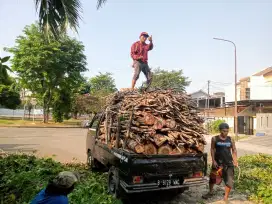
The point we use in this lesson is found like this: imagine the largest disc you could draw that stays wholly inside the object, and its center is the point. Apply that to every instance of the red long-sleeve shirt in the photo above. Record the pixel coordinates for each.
(139, 49)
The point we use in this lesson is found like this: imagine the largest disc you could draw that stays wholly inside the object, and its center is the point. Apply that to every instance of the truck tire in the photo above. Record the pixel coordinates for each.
(114, 188)
(92, 162)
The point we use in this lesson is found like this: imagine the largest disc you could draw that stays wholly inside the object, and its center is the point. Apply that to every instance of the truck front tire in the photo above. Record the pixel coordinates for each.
(91, 162)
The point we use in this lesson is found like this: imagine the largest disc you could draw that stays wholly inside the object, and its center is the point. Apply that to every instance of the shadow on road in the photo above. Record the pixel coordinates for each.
(25, 148)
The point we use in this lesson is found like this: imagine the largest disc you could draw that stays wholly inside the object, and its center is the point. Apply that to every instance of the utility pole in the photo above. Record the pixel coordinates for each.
(208, 105)
(235, 87)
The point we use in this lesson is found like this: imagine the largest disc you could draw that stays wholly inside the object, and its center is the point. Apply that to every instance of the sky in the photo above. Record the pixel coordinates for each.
(182, 30)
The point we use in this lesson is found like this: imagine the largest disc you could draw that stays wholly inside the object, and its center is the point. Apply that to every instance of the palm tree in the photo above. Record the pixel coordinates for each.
(55, 16)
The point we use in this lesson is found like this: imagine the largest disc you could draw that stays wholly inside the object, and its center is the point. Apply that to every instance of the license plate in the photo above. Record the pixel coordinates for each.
(168, 182)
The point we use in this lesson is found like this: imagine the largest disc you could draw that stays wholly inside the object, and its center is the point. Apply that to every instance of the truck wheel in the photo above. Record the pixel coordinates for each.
(90, 161)
(114, 182)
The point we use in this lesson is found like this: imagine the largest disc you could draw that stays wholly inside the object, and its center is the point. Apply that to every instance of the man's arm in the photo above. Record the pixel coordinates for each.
(133, 53)
(150, 45)
(213, 152)
(234, 152)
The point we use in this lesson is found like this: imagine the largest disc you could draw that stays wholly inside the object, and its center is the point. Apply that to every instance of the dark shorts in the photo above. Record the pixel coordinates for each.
(140, 66)
(227, 175)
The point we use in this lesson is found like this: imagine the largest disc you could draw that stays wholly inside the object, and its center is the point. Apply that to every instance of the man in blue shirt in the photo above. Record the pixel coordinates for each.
(57, 190)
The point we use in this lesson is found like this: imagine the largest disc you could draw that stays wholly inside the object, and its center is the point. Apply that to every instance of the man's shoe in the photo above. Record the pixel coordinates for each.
(207, 196)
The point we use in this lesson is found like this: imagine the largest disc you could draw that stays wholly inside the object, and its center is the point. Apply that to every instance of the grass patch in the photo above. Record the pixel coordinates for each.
(21, 123)
(256, 179)
(23, 176)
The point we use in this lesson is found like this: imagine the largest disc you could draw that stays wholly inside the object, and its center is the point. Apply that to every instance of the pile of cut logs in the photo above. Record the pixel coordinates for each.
(156, 122)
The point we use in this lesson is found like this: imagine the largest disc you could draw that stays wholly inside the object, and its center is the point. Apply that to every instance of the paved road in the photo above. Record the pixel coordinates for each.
(65, 143)
(69, 143)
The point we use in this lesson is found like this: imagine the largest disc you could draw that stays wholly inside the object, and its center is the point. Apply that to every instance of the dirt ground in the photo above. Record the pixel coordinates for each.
(67, 144)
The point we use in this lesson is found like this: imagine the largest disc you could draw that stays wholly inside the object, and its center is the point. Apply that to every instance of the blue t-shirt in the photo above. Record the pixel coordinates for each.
(43, 198)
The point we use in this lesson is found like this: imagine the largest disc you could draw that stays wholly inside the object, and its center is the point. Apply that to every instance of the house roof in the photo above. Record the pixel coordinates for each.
(199, 91)
(263, 72)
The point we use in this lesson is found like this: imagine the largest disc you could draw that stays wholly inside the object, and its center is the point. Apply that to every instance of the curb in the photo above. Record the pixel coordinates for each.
(38, 127)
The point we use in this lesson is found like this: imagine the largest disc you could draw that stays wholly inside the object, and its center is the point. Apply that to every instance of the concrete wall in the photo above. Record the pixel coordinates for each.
(264, 123)
(260, 88)
(230, 93)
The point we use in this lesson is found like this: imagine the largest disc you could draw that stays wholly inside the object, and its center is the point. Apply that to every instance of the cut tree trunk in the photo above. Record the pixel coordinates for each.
(165, 149)
(135, 146)
(149, 119)
(150, 149)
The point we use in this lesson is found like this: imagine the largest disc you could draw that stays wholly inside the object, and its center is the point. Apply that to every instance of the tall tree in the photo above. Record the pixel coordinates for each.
(55, 16)
(169, 79)
(45, 67)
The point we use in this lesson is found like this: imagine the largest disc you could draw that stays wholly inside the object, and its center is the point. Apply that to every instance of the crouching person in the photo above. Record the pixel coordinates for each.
(224, 159)
(57, 189)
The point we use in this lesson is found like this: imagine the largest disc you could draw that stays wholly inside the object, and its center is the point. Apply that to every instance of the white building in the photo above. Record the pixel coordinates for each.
(254, 88)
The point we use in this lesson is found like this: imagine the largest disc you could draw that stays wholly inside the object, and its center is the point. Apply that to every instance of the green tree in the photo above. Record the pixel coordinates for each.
(9, 98)
(46, 67)
(102, 83)
(169, 79)
(4, 76)
(9, 94)
(85, 103)
(101, 86)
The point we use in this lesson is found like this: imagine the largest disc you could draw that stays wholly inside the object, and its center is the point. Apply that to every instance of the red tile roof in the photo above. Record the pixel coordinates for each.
(263, 72)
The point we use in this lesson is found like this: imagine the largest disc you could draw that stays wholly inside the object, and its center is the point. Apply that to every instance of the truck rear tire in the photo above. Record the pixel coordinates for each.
(114, 188)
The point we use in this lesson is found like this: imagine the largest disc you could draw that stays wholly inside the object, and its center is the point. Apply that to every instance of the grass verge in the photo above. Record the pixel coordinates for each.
(256, 177)
(23, 176)
(38, 123)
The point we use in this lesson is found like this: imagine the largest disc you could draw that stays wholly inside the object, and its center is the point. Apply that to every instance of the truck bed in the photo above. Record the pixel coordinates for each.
(159, 172)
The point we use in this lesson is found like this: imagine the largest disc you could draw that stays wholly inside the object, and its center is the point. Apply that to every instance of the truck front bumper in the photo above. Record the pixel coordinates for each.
(147, 187)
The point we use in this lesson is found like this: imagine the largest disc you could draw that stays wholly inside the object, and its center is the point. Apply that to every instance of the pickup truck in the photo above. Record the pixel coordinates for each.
(130, 173)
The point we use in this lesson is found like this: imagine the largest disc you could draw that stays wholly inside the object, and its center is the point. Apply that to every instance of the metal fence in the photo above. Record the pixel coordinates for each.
(19, 113)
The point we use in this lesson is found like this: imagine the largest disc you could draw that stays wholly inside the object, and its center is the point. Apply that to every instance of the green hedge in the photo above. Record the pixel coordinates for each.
(23, 176)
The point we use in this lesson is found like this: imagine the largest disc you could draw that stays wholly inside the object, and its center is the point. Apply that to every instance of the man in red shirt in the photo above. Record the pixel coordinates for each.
(139, 55)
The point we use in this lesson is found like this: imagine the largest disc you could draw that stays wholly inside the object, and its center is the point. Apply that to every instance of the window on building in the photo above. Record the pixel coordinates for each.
(247, 93)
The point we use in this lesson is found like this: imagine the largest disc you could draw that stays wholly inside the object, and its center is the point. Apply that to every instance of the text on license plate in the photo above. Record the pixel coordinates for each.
(168, 182)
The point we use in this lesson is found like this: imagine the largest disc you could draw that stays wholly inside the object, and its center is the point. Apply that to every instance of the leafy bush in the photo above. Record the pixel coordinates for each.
(256, 180)
(23, 176)
(213, 126)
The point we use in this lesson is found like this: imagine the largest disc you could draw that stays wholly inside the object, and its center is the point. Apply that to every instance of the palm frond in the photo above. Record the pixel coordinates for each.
(55, 16)
(100, 3)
